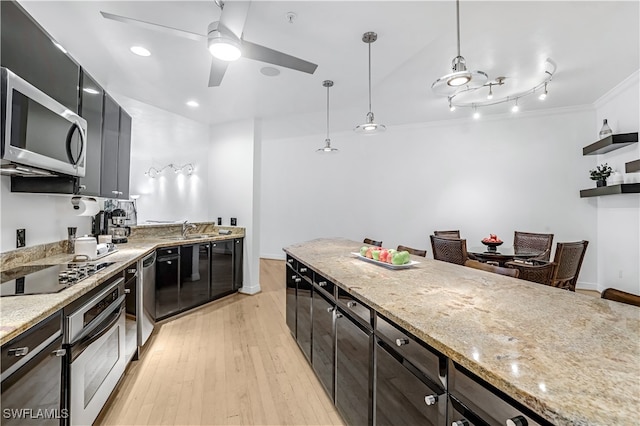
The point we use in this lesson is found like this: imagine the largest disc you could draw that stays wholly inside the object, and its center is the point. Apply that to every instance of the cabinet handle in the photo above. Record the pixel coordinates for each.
(330, 310)
(18, 351)
(127, 290)
(169, 251)
(82, 187)
(402, 342)
(431, 399)
(114, 192)
(303, 270)
(463, 422)
(60, 352)
(322, 283)
(132, 271)
(168, 262)
(351, 304)
(338, 315)
(289, 260)
(517, 421)
(298, 280)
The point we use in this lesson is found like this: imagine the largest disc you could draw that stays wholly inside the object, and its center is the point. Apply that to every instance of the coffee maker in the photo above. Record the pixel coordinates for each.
(119, 232)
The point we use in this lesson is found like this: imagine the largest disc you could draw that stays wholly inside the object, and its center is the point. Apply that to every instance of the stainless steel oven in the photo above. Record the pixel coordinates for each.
(95, 339)
(38, 132)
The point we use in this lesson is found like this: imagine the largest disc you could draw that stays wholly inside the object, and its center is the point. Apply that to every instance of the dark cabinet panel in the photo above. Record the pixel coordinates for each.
(238, 255)
(352, 370)
(110, 133)
(124, 154)
(291, 278)
(402, 394)
(167, 285)
(91, 110)
(221, 268)
(28, 51)
(194, 275)
(303, 315)
(323, 344)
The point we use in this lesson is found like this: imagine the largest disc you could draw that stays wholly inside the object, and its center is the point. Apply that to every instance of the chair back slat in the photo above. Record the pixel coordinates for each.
(535, 271)
(568, 259)
(415, 252)
(372, 242)
(492, 268)
(447, 234)
(529, 240)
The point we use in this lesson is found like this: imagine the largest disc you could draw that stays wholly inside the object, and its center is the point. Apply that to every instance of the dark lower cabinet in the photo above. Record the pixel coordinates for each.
(222, 267)
(167, 283)
(405, 396)
(291, 279)
(323, 342)
(352, 393)
(303, 315)
(238, 255)
(194, 275)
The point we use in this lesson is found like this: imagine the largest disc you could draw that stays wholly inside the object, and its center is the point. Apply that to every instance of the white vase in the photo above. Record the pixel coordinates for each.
(615, 178)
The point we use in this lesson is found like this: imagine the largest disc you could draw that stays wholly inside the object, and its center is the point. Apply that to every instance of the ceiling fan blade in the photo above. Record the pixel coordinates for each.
(264, 54)
(234, 14)
(218, 68)
(155, 27)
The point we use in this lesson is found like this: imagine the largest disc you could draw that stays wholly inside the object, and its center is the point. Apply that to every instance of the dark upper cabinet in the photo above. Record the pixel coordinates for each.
(116, 148)
(28, 51)
(91, 110)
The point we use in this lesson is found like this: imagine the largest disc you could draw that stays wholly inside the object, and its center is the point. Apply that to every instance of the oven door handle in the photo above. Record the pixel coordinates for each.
(89, 336)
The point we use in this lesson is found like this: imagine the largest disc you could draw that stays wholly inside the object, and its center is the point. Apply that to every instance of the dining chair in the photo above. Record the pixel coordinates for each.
(568, 260)
(452, 250)
(372, 242)
(530, 240)
(537, 271)
(621, 296)
(415, 252)
(492, 268)
(447, 234)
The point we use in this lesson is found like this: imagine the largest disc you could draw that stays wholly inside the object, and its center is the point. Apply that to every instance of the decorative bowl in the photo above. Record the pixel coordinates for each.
(491, 245)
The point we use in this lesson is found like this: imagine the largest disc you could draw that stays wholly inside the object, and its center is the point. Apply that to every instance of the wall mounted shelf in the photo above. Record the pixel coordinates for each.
(632, 166)
(610, 143)
(623, 188)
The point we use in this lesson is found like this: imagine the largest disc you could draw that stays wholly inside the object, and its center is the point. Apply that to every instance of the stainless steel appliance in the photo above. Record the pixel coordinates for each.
(38, 279)
(32, 376)
(39, 135)
(117, 229)
(95, 343)
(147, 303)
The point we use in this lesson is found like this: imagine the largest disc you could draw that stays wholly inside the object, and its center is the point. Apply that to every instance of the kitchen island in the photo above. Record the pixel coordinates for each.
(572, 359)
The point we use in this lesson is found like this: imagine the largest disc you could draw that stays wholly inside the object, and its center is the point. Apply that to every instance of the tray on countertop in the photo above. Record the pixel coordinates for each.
(384, 264)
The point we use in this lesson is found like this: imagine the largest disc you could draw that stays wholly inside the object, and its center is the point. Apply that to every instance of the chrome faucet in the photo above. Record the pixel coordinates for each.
(185, 227)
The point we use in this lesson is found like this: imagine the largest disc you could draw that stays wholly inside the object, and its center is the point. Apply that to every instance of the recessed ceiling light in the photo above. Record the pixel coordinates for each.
(140, 51)
(193, 104)
(270, 71)
(90, 90)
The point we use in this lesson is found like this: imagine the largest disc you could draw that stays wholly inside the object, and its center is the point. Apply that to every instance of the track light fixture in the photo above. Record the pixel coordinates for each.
(370, 127)
(327, 142)
(490, 95)
(543, 95)
(186, 168)
(515, 107)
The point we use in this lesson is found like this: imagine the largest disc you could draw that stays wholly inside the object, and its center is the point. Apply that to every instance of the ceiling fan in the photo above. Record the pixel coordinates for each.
(225, 42)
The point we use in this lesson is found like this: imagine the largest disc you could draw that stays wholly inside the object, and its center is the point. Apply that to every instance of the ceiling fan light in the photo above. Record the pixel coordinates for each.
(224, 49)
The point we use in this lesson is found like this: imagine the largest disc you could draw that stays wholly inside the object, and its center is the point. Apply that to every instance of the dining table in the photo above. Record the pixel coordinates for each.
(502, 254)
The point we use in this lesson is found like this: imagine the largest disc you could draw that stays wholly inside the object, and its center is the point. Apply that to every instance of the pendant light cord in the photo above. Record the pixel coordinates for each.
(328, 112)
(369, 77)
(458, 23)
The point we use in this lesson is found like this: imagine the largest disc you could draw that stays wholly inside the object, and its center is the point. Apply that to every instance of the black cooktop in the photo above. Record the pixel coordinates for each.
(41, 279)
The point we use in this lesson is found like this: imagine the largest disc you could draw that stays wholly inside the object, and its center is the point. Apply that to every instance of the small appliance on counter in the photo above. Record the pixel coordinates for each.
(119, 232)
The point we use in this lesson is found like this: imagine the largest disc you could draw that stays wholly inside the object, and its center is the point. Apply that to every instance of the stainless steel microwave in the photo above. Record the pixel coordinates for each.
(39, 135)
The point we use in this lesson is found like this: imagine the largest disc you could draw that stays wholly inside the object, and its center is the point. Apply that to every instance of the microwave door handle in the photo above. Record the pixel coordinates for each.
(70, 133)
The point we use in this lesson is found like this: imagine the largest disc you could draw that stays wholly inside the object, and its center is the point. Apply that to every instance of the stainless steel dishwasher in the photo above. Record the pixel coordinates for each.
(147, 303)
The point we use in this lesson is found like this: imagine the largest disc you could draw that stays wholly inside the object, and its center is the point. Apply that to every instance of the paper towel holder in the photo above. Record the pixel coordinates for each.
(75, 201)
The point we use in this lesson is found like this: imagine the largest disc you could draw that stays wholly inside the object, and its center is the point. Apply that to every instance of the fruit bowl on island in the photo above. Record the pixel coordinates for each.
(492, 242)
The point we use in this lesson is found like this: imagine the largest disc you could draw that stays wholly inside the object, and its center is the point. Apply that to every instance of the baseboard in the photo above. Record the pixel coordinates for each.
(254, 289)
(587, 286)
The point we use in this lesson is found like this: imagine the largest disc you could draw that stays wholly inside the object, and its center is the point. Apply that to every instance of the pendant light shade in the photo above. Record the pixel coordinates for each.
(370, 126)
(460, 75)
(327, 149)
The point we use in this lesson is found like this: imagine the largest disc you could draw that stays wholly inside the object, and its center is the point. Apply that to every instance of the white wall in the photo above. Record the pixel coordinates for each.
(160, 138)
(233, 189)
(495, 175)
(618, 220)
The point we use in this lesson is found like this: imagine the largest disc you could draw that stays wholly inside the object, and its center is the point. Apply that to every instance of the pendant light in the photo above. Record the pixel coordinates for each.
(460, 75)
(327, 142)
(370, 126)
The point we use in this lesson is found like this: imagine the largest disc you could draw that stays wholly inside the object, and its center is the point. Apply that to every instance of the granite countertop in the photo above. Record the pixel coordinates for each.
(19, 313)
(572, 358)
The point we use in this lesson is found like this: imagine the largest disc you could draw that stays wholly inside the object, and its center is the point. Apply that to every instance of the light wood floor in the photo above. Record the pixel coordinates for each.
(230, 362)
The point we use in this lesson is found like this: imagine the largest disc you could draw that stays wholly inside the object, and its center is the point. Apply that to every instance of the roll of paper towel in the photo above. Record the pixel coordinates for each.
(85, 206)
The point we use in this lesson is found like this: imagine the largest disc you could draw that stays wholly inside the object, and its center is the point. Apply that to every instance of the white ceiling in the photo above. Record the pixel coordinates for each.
(596, 45)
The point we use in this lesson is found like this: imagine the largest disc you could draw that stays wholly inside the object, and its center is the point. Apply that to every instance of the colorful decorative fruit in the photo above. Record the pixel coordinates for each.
(380, 254)
(493, 238)
(363, 250)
